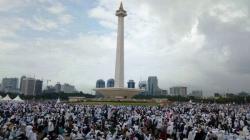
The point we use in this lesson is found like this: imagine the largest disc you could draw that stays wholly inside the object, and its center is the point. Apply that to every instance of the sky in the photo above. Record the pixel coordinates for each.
(199, 44)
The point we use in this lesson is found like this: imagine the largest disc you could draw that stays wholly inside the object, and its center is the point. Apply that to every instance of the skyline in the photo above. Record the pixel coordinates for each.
(194, 43)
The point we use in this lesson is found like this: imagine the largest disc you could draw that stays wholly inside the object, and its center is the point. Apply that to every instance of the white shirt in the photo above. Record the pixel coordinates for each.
(50, 126)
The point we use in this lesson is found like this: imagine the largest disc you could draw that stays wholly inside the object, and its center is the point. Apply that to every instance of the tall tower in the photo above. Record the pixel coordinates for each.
(119, 91)
(119, 66)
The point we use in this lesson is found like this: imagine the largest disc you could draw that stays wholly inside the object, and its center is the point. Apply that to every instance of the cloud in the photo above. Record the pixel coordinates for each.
(57, 8)
(65, 19)
(6, 5)
(42, 24)
(60, 11)
(46, 16)
(228, 12)
(7, 28)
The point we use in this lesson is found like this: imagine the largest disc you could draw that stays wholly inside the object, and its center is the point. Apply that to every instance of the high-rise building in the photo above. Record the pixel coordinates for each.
(178, 91)
(10, 84)
(23, 85)
(31, 86)
(100, 83)
(67, 88)
(131, 84)
(38, 87)
(196, 93)
(58, 87)
(153, 88)
(21, 82)
(110, 83)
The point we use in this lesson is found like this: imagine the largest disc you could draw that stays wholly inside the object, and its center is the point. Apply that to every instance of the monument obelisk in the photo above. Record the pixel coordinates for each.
(119, 65)
(119, 91)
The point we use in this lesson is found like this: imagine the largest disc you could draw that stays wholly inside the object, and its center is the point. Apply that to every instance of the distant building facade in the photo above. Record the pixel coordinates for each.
(38, 87)
(178, 91)
(164, 92)
(230, 95)
(217, 95)
(111, 83)
(100, 83)
(58, 87)
(50, 89)
(153, 88)
(67, 88)
(9, 85)
(31, 86)
(21, 82)
(131, 84)
(143, 85)
(23, 85)
(196, 93)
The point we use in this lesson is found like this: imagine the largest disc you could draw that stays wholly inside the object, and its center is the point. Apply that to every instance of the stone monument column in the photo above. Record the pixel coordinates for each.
(119, 66)
(119, 91)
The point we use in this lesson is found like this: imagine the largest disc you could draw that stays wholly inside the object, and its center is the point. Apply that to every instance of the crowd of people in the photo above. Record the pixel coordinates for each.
(51, 121)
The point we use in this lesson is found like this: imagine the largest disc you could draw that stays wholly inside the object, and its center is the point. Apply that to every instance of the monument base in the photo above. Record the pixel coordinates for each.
(118, 93)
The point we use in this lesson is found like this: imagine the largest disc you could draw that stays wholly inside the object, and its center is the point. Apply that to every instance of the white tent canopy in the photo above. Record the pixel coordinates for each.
(58, 101)
(18, 99)
(6, 98)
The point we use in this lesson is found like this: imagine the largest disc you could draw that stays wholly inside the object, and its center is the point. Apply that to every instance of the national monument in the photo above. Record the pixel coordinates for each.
(119, 91)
